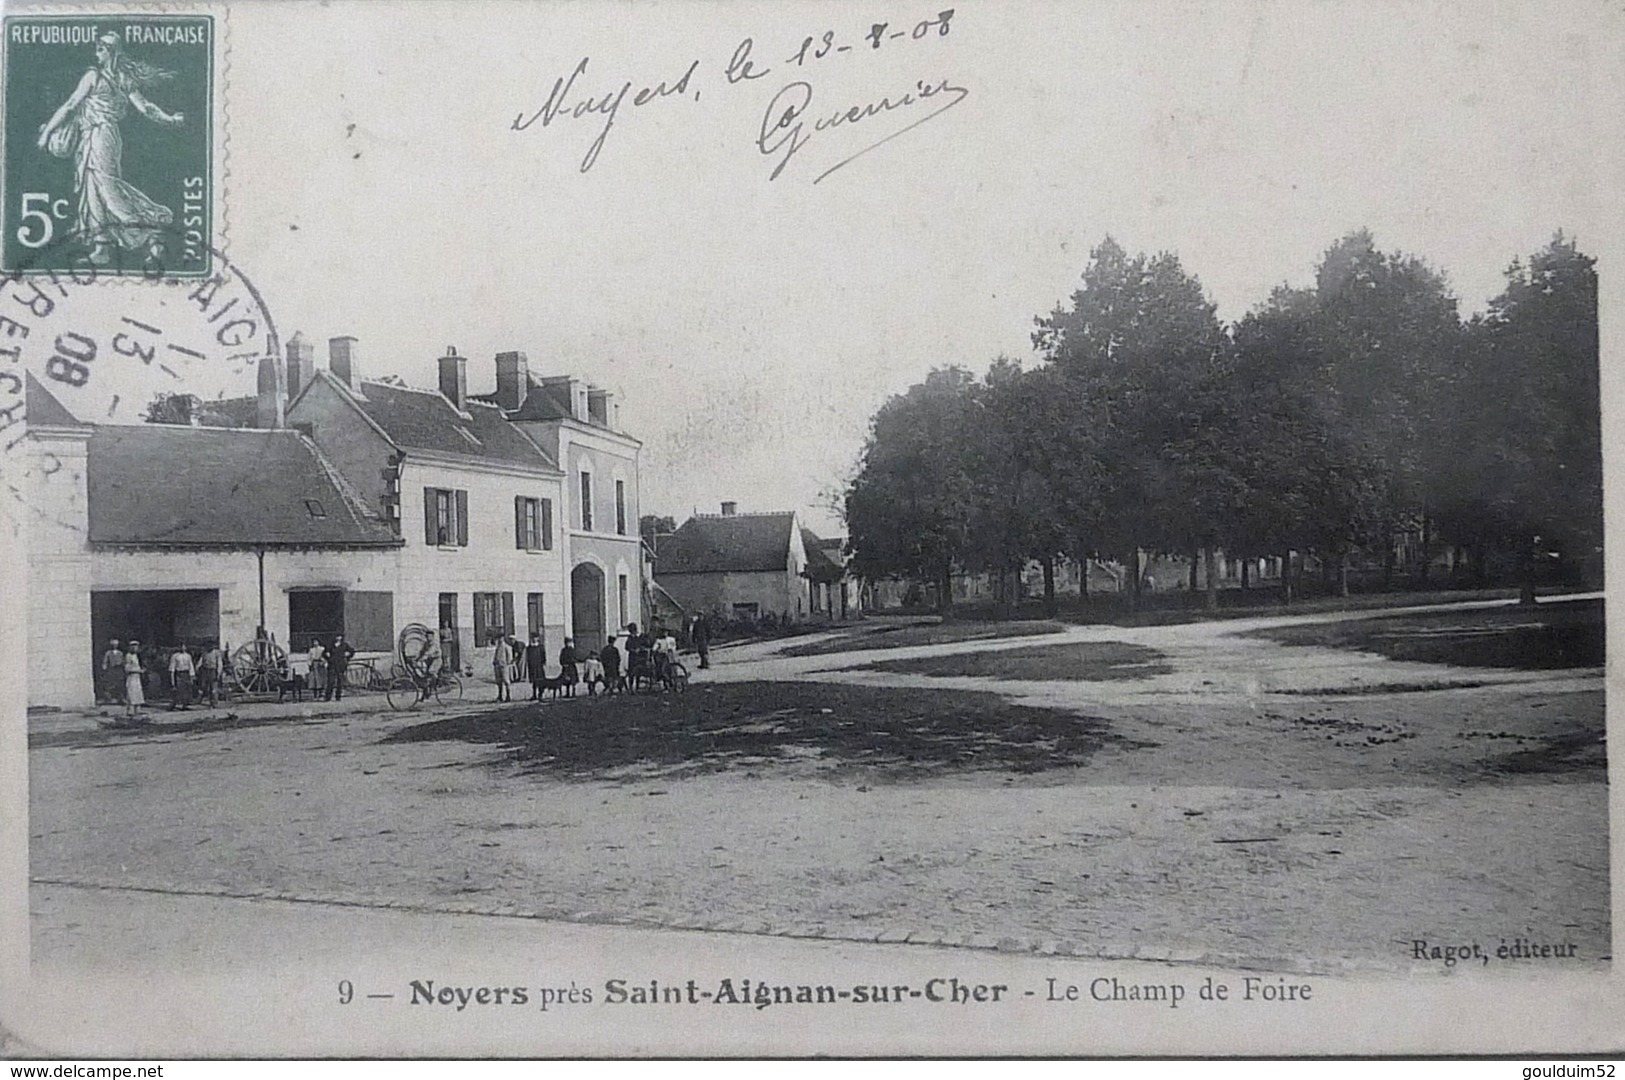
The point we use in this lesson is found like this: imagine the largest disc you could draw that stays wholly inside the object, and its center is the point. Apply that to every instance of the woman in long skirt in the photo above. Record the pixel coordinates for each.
(134, 693)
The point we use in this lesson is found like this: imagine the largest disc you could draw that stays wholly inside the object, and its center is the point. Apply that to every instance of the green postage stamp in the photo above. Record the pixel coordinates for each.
(109, 138)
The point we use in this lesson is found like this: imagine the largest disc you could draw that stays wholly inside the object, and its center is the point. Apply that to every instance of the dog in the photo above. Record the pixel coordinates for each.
(294, 685)
(554, 685)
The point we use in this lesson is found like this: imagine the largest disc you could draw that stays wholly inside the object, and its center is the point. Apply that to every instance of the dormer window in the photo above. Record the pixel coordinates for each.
(315, 508)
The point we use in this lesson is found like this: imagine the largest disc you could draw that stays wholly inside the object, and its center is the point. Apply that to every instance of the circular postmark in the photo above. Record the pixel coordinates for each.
(116, 342)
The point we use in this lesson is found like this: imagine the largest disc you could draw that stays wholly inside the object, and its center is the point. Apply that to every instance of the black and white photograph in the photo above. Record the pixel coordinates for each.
(624, 529)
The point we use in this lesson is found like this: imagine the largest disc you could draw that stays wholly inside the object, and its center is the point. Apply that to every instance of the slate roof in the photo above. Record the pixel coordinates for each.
(166, 485)
(820, 567)
(42, 407)
(424, 420)
(731, 544)
(541, 403)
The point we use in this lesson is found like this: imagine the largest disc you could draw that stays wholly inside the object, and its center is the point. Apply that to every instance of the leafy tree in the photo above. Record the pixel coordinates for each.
(909, 509)
(1134, 355)
(652, 525)
(1388, 328)
(1527, 473)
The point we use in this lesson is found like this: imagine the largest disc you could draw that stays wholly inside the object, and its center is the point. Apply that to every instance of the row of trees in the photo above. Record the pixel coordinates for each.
(1324, 423)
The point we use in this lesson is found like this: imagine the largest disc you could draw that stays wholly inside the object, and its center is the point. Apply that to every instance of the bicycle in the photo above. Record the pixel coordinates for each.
(407, 689)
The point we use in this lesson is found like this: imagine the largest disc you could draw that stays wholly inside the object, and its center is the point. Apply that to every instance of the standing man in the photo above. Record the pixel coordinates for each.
(702, 638)
(338, 658)
(501, 662)
(111, 684)
(208, 674)
(569, 674)
(181, 670)
(536, 665)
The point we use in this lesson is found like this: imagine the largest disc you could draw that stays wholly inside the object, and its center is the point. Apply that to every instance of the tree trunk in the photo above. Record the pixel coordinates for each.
(1286, 576)
(1388, 560)
(1209, 562)
(945, 590)
(1196, 557)
(1134, 585)
(1427, 548)
(1343, 574)
(1246, 573)
(1049, 586)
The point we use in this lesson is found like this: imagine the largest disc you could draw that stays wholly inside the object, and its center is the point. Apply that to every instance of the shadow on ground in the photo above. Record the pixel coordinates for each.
(891, 731)
(1087, 662)
(1548, 637)
(155, 729)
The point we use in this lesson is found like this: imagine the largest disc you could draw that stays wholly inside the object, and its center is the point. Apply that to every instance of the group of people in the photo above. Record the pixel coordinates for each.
(326, 668)
(128, 671)
(625, 658)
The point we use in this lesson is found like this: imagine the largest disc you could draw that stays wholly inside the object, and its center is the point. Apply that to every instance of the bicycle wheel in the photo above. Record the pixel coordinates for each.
(402, 692)
(448, 690)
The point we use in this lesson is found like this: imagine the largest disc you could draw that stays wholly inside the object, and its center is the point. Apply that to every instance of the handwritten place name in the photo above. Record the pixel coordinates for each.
(791, 118)
(784, 129)
(608, 105)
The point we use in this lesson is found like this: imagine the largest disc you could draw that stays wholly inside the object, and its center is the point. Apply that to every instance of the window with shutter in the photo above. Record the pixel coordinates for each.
(431, 517)
(620, 507)
(521, 538)
(462, 518)
(507, 613)
(586, 501)
(547, 524)
(482, 620)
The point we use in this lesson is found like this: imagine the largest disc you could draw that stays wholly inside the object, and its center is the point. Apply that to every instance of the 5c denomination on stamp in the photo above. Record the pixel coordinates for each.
(109, 135)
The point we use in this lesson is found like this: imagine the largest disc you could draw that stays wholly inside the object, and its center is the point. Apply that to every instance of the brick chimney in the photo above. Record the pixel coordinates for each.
(729, 509)
(271, 399)
(344, 360)
(454, 379)
(513, 379)
(301, 364)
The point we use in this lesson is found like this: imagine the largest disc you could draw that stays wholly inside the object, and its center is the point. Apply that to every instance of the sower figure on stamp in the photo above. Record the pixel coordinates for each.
(111, 212)
(338, 659)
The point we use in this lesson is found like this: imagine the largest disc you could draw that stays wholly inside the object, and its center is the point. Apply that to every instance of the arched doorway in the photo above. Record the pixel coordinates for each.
(587, 606)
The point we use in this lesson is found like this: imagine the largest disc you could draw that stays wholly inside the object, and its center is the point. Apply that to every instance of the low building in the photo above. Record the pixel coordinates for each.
(747, 567)
(197, 536)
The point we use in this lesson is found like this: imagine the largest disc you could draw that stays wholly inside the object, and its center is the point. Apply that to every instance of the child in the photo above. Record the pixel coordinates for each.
(593, 673)
(610, 661)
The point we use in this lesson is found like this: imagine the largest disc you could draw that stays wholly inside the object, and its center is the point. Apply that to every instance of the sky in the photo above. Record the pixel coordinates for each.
(377, 186)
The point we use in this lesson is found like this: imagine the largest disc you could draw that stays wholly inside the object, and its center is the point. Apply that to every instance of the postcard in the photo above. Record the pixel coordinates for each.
(900, 527)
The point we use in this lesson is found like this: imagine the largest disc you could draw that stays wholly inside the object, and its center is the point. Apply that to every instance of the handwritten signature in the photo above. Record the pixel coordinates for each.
(784, 124)
(791, 119)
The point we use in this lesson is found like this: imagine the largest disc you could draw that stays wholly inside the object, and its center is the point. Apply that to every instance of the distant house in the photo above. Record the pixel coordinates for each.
(747, 566)
(829, 587)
